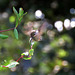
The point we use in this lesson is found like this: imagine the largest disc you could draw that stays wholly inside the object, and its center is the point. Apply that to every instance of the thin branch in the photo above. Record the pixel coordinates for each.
(31, 46)
(7, 30)
(19, 58)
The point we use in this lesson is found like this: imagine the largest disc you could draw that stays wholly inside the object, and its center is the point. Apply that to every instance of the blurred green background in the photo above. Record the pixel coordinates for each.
(55, 53)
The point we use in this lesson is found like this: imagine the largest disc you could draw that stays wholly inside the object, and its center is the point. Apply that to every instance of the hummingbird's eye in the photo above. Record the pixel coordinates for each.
(33, 33)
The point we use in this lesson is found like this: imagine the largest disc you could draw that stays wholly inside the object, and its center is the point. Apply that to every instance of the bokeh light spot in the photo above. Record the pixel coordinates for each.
(39, 14)
(12, 19)
(67, 24)
(72, 11)
(59, 25)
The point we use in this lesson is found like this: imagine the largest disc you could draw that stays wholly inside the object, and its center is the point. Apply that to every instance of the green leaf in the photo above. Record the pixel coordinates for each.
(5, 63)
(25, 53)
(20, 19)
(27, 58)
(25, 13)
(15, 11)
(3, 36)
(21, 11)
(16, 33)
(31, 51)
(13, 64)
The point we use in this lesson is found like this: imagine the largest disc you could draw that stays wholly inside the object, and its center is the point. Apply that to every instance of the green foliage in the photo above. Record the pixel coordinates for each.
(44, 67)
(25, 53)
(8, 65)
(27, 58)
(60, 41)
(31, 70)
(28, 55)
(24, 13)
(62, 53)
(5, 63)
(3, 36)
(21, 11)
(31, 51)
(15, 11)
(16, 33)
(12, 64)
(19, 15)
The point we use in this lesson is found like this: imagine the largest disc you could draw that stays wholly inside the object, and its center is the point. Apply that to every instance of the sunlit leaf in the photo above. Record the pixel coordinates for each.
(3, 36)
(5, 63)
(13, 64)
(25, 53)
(31, 51)
(16, 33)
(27, 58)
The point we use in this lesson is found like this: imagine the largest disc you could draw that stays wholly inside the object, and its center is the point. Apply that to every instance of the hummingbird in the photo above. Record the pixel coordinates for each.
(36, 34)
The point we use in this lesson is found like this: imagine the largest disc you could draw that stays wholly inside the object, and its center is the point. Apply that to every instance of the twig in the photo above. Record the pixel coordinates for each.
(7, 30)
(19, 58)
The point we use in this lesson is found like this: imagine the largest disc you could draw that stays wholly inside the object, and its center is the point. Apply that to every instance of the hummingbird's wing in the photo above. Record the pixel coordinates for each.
(44, 27)
(28, 28)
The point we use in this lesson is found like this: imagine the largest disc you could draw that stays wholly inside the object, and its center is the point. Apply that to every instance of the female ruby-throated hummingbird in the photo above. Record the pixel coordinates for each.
(36, 35)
